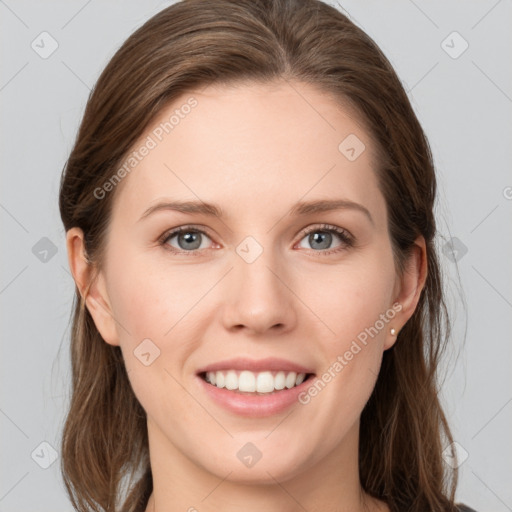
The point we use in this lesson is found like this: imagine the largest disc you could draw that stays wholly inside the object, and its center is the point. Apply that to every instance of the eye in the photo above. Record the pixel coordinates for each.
(186, 239)
(322, 238)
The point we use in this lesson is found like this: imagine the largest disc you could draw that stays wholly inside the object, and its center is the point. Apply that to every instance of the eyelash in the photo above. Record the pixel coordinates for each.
(347, 240)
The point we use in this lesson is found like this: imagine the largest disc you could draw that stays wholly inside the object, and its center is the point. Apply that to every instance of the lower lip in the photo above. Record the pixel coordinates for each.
(255, 406)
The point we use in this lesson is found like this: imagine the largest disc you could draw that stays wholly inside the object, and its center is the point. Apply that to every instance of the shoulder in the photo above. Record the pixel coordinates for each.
(464, 508)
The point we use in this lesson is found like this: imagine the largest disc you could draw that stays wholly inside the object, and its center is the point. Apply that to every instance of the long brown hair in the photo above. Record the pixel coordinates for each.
(188, 45)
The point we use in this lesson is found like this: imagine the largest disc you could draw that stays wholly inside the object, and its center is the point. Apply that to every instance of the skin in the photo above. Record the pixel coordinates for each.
(254, 150)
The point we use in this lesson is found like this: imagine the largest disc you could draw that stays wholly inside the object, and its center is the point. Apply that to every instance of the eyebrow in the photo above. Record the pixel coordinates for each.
(300, 208)
(185, 207)
(325, 205)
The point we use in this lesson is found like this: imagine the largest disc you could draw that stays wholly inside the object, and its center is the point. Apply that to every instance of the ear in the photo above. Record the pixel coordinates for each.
(91, 285)
(408, 288)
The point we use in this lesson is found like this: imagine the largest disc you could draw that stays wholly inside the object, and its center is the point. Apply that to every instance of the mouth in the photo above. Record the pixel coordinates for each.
(245, 382)
(254, 388)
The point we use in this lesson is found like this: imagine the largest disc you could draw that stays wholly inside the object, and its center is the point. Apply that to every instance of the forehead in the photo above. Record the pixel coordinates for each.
(249, 145)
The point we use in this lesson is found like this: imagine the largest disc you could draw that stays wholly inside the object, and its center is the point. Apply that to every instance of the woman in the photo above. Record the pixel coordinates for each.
(259, 313)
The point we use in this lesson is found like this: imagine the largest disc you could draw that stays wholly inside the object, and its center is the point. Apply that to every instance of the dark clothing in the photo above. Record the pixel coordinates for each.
(464, 508)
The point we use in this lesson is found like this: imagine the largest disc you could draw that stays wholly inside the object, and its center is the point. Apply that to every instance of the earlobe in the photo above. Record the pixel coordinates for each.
(91, 285)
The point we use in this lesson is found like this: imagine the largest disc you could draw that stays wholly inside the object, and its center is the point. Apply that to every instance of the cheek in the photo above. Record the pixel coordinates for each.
(151, 297)
(357, 309)
(360, 305)
(356, 304)
(158, 329)
(169, 305)
(351, 297)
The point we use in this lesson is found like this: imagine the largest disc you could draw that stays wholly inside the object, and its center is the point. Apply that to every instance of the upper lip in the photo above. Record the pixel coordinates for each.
(255, 365)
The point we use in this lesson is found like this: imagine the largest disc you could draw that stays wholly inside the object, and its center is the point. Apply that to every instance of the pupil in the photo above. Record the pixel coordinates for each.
(322, 238)
(191, 239)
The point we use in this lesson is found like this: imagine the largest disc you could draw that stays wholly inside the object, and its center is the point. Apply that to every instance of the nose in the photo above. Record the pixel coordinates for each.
(258, 297)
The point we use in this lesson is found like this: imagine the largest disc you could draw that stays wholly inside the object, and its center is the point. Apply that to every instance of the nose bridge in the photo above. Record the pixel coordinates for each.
(258, 299)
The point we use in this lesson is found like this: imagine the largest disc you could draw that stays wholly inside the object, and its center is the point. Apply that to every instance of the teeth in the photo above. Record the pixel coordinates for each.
(246, 382)
(231, 381)
(250, 382)
(300, 378)
(279, 380)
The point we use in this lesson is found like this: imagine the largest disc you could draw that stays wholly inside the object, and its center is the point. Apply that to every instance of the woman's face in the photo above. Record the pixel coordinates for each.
(269, 174)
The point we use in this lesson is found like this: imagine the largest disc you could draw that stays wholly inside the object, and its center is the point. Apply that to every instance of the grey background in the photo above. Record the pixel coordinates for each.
(464, 105)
